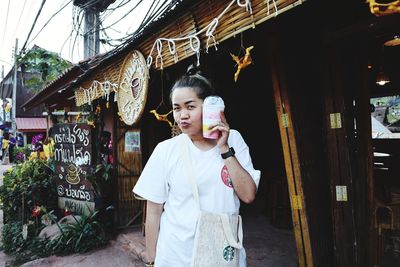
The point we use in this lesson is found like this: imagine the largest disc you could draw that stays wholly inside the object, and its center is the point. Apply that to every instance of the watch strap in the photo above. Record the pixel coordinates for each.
(229, 153)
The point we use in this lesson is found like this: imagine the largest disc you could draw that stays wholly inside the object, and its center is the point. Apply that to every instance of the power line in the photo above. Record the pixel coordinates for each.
(34, 23)
(152, 14)
(19, 19)
(76, 36)
(5, 27)
(149, 11)
(126, 14)
(155, 10)
(47, 22)
(6, 62)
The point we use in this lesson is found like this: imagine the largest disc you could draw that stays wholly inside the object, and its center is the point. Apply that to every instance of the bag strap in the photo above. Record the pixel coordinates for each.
(224, 217)
(189, 169)
(228, 231)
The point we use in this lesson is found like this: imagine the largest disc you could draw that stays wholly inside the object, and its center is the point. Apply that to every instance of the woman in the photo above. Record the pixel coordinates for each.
(171, 208)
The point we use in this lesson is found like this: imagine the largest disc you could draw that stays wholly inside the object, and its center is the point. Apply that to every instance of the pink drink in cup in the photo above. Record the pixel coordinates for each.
(212, 107)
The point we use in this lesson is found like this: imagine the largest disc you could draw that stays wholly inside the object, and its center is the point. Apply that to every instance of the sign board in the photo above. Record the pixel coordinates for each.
(73, 160)
(133, 87)
(132, 141)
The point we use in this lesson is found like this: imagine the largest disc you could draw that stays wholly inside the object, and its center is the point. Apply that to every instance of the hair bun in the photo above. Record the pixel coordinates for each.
(193, 70)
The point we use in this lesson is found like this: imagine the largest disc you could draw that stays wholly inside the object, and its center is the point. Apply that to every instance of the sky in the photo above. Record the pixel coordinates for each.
(17, 18)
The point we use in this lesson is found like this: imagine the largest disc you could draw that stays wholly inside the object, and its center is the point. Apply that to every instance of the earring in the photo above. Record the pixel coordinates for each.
(175, 130)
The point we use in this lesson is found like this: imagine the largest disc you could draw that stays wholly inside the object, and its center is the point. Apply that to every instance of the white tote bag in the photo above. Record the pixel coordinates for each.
(218, 239)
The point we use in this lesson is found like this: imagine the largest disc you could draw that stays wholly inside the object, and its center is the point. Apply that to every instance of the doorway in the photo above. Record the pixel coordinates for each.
(250, 108)
(385, 138)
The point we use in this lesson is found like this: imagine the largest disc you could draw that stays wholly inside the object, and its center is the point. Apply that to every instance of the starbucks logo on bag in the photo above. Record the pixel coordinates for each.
(229, 253)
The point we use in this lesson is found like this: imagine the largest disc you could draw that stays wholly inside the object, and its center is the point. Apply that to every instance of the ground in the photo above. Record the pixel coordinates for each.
(266, 246)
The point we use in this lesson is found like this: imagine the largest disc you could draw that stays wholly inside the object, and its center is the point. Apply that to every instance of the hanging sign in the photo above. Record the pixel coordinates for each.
(133, 86)
(73, 160)
(132, 141)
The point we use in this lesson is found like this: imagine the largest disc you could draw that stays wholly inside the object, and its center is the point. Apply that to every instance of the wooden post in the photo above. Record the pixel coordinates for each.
(292, 165)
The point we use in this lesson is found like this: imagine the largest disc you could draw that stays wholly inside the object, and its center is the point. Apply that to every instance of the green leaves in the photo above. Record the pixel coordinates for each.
(26, 185)
(48, 65)
(83, 234)
(101, 179)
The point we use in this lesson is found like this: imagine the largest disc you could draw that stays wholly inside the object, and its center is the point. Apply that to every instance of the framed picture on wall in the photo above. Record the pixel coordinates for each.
(132, 141)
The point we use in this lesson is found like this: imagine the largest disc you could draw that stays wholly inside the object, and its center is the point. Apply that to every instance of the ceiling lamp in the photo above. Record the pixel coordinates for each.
(382, 78)
(394, 41)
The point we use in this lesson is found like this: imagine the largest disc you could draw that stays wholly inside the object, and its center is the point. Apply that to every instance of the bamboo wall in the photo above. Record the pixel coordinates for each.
(234, 21)
(129, 167)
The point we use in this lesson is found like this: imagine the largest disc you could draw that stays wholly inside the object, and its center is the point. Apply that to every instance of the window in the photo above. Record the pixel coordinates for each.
(385, 117)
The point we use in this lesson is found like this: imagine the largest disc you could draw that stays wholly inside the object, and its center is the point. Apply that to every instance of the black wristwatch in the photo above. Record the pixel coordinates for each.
(229, 153)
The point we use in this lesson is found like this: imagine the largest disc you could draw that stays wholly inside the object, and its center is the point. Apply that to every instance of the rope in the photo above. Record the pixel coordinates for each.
(209, 30)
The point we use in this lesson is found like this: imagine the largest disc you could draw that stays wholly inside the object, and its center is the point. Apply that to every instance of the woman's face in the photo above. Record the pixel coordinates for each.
(187, 107)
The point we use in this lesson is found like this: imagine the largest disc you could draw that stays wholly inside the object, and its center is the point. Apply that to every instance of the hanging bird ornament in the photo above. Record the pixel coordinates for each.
(162, 117)
(242, 62)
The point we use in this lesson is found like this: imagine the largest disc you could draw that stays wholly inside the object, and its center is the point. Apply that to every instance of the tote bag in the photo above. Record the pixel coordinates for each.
(218, 240)
(219, 237)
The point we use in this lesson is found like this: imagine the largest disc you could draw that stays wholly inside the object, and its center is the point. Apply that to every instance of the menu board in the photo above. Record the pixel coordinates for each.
(73, 160)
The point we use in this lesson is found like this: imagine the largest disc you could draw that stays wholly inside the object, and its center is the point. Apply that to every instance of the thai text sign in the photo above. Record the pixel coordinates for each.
(73, 158)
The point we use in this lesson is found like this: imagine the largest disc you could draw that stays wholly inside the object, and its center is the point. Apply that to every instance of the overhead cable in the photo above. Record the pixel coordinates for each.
(33, 25)
(5, 27)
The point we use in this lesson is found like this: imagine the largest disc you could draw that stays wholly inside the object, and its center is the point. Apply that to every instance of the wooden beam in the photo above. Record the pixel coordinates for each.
(292, 164)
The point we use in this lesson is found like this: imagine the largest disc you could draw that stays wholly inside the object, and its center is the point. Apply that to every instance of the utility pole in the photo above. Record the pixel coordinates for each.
(14, 93)
(91, 39)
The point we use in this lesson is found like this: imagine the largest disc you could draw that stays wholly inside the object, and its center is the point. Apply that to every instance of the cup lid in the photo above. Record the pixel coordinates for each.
(214, 100)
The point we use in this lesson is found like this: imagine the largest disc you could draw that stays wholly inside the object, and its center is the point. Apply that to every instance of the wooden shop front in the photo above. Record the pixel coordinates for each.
(302, 105)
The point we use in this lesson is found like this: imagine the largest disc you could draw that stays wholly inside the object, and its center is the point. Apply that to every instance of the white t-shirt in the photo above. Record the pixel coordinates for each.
(164, 180)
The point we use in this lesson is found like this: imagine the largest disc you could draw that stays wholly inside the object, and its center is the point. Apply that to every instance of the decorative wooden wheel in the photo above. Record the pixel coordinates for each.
(133, 87)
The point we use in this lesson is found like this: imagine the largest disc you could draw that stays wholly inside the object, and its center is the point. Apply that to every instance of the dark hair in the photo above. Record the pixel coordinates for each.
(193, 78)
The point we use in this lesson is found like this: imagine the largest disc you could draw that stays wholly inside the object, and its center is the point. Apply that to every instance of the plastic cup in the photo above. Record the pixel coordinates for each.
(212, 107)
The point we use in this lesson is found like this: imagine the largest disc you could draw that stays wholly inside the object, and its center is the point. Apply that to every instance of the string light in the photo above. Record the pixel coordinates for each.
(98, 89)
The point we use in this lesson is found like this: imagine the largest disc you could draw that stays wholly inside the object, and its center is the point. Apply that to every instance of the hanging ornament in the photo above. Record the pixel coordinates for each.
(91, 123)
(162, 117)
(383, 8)
(242, 62)
(78, 117)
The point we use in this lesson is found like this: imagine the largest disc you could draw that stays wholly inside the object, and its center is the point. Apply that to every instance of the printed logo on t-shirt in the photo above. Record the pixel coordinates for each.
(225, 177)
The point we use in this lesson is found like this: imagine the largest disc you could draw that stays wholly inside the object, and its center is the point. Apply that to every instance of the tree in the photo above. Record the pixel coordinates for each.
(48, 65)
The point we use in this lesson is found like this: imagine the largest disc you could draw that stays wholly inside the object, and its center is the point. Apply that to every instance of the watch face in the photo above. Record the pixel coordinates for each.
(133, 86)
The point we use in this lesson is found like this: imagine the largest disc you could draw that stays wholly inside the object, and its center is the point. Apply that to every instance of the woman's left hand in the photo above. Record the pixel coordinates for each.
(223, 128)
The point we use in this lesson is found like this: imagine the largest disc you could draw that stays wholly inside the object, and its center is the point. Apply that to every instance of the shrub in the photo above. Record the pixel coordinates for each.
(81, 236)
(25, 186)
